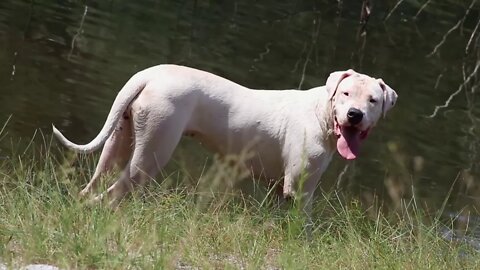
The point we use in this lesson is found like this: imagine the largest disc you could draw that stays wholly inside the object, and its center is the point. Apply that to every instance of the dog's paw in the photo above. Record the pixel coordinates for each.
(288, 195)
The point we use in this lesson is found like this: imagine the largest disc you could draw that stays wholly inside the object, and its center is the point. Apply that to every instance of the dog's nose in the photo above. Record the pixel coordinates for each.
(354, 116)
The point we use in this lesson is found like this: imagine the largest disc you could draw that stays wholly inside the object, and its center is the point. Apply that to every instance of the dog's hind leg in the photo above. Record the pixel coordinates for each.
(116, 152)
(154, 144)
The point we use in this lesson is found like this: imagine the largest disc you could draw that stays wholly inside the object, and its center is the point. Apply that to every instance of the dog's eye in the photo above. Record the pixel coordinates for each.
(372, 100)
(346, 93)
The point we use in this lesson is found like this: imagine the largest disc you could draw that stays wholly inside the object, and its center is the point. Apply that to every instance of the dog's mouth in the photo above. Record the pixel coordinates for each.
(349, 139)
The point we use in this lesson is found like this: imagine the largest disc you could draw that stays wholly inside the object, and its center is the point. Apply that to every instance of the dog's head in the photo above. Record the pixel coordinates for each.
(358, 102)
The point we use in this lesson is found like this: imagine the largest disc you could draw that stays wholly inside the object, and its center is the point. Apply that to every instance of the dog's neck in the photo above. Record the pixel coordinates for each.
(326, 122)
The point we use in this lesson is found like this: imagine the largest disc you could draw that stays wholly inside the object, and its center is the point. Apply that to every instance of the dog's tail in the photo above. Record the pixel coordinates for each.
(126, 95)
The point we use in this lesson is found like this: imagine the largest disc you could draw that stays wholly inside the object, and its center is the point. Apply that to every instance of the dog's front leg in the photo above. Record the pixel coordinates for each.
(301, 185)
(289, 189)
(308, 185)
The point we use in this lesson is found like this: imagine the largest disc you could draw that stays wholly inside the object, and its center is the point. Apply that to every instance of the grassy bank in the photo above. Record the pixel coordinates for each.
(42, 221)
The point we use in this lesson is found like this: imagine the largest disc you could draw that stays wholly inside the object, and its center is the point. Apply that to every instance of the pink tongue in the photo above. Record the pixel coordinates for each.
(348, 143)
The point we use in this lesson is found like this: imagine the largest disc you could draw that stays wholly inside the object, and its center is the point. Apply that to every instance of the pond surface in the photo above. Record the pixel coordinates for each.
(63, 62)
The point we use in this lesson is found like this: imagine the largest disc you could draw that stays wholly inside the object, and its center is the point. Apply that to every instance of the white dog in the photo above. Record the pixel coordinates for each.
(291, 133)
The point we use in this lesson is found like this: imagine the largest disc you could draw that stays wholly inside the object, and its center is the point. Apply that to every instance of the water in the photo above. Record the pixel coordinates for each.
(64, 61)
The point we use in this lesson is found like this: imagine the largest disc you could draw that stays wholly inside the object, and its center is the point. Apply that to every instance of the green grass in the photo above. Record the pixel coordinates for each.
(43, 221)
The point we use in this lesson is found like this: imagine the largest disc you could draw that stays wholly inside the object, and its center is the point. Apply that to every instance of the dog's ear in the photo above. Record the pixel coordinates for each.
(334, 80)
(389, 97)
